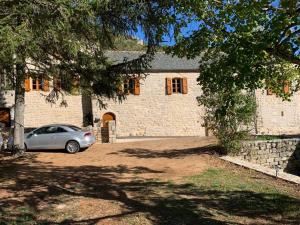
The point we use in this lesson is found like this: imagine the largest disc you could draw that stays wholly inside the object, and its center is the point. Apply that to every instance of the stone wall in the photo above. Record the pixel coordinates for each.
(283, 153)
(154, 113)
(275, 116)
(38, 112)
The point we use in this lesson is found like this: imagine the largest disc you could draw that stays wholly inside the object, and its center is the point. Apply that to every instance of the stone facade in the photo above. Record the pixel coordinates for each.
(282, 153)
(154, 113)
(38, 112)
(275, 116)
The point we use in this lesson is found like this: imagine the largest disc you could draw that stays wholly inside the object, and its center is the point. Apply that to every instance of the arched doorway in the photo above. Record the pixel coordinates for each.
(106, 118)
(5, 117)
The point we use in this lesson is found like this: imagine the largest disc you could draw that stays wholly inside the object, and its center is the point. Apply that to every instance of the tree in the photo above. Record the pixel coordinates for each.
(67, 39)
(243, 43)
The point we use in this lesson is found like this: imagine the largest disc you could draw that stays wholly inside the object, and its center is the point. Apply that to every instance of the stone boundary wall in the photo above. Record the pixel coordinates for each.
(283, 153)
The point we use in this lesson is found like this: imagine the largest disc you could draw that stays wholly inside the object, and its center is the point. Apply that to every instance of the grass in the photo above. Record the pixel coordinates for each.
(215, 196)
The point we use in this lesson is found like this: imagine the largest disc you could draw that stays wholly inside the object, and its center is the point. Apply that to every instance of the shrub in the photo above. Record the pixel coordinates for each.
(230, 115)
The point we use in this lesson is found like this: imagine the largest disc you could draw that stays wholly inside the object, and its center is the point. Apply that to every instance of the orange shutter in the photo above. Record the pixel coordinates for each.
(45, 85)
(184, 86)
(169, 86)
(27, 84)
(137, 88)
(286, 88)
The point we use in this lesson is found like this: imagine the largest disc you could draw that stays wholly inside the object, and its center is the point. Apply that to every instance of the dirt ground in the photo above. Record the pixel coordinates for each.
(105, 184)
(169, 159)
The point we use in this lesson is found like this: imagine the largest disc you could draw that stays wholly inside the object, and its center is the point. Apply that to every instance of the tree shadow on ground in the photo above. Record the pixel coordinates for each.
(293, 165)
(32, 184)
(173, 153)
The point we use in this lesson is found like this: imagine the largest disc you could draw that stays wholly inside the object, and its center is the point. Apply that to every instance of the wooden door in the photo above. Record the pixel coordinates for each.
(5, 116)
(106, 118)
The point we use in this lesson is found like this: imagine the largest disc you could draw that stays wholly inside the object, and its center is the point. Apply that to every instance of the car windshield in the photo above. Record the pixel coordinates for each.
(74, 128)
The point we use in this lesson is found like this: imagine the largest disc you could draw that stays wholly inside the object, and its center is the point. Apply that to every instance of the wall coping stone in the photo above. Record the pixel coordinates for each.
(272, 141)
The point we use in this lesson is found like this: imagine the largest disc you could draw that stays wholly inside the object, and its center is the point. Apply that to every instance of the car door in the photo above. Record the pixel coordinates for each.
(46, 139)
(32, 139)
(61, 137)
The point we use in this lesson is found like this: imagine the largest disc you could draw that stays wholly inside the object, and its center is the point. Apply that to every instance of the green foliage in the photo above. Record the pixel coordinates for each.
(69, 38)
(244, 44)
(128, 44)
(229, 115)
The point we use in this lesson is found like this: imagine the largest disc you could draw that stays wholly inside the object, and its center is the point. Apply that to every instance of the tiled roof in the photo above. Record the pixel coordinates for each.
(161, 61)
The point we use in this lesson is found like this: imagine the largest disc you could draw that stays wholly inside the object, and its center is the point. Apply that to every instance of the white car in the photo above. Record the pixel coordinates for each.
(58, 136)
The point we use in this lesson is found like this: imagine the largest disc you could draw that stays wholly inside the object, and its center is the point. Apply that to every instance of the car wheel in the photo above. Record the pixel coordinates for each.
(72, 147)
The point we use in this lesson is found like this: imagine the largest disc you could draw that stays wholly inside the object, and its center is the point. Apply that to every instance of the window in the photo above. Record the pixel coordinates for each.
(42, 130)
(177, 85)
(37, 83)
(60, 130)
(131, 86)
(74, 128)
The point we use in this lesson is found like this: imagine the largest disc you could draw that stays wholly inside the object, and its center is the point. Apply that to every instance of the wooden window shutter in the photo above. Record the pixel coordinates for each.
(184, 85)
(27, 84)
(286, 87)
(169, 86)
(45, 85)
(137, 85)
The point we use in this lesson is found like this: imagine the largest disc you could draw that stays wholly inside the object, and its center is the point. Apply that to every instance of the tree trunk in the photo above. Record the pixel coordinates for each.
(19, 147)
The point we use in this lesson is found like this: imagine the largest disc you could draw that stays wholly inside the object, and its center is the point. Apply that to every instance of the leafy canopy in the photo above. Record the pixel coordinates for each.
(244, 44)
(69, 38)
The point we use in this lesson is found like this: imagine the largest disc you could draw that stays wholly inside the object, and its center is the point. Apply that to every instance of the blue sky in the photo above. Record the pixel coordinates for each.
(169, 39)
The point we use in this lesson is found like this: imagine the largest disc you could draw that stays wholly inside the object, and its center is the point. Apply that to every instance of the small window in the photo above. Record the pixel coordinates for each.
(129, 86)
(37, 83)
(177, 85)
(42, 130)
(60, 130)
(74, 128)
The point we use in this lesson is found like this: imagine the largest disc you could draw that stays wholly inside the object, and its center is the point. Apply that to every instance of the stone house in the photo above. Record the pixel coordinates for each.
(162, 104)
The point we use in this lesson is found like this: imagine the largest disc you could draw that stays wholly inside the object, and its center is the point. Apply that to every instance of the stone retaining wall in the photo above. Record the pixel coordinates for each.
(283, 153)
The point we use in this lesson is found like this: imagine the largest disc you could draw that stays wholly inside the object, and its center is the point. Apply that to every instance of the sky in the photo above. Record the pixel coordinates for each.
(169, 39)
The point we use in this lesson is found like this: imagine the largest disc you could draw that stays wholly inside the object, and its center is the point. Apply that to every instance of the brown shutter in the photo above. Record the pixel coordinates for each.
(184, 85)
(27, 84)
(168, 86)
(45, 85)
(286, 88)
(137, 85)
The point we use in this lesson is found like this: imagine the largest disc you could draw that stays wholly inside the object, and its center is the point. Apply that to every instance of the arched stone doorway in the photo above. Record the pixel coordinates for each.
(105, 132)
(106, 118)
